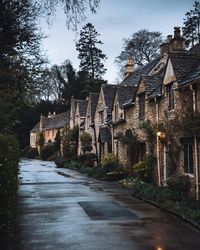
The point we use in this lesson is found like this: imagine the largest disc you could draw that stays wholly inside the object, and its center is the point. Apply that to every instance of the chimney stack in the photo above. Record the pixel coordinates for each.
(177, 43)
(129, 67)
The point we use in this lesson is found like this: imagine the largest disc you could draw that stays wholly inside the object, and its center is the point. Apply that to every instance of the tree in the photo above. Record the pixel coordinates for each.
(90, 55)
(57, 141)
(86, 142)
(142, 47)
(191, 28)
(74, 9)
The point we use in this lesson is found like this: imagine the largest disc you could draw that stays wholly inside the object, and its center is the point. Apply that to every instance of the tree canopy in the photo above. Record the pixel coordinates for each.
(91, 57)
(191, 25)
(142, 47)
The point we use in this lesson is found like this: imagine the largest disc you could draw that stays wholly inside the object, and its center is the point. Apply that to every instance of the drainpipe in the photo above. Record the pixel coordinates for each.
(195, 145)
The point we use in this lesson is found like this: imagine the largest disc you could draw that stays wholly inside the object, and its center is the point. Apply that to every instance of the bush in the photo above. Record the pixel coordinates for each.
(179, 183)
(52, 157)
(144, 169)
(109, 162)
(60, 161)
(47, 151)
(87, 160)
(73, 165)
(9, 159)
(32, 153)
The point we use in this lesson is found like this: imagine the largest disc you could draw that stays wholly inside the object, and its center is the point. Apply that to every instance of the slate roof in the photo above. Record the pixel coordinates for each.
(109, 95)
(82, 107)
(183, 64)
(126, 95)
(195, 49)
(57, 121)
(153, 84)
(134, 78)
(94, 97)
(104, 134)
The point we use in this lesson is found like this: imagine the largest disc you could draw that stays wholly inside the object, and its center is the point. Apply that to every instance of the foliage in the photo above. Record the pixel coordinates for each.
(143, 46)
(32, 153)
(87, 160)
(60, 161)
(150, 134)
(129, 140)
(144, 169)
(47, 151)
(191, 28)
(74, 165)
(179, 183)
(9, 159)
(52, 157)
(109, 162)
(75, 10)
(57, 141)
(86, 142)
(165, 197)
(40, 139)
(90, 55)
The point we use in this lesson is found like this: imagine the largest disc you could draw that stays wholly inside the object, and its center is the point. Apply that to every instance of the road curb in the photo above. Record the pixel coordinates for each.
(192, 223)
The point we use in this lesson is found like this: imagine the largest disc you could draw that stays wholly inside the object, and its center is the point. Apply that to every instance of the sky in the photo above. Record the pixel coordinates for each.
(114, 21)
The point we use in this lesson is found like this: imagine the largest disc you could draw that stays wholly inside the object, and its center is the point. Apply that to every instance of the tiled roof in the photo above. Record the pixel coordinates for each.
(57, 121)
(152, 84)
(193, 75)
(94, 97)
(195, 49)
(82, 107)
(126, 94)
(183, 63)
(104, 134)
(134, 78)
(109, 94)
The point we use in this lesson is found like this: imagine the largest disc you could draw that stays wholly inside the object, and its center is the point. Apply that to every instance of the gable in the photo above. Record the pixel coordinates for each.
(141, 87)
(169, 74)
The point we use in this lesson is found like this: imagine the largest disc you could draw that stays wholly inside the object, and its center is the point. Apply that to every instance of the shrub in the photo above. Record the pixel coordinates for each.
(47, 151)
(9, 159)
(86, 142)
(87, 160)
(179, 183)
(73, 165)
(60, 161)
(110, 162)
(144, 169)
(32, 153)
(52, 157)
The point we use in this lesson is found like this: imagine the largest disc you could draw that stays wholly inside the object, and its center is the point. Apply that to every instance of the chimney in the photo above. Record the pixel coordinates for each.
(164, 47)
(177, 43)
(129, 67)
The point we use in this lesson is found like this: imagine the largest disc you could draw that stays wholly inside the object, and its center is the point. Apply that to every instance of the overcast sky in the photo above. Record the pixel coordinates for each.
(115, 20)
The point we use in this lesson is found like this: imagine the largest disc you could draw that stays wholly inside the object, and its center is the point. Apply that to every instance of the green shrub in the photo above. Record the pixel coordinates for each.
(52, 157)
(73, 165)
(9, 159)
(32, 153)
(179, 183)
(144, 169)
(87, 160)
(60, 161)
(47, 151)
(109, 162)
(86, 142)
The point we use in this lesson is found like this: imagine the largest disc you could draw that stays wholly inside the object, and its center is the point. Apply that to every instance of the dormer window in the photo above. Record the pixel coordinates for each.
(170, 96)
(116, 110)
(101, 117)
(141, 98)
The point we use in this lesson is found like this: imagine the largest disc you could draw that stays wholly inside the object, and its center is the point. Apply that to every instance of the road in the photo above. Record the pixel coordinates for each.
(63, 210)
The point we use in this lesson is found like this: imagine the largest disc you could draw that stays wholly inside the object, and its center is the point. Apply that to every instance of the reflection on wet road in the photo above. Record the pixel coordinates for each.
(63, 210)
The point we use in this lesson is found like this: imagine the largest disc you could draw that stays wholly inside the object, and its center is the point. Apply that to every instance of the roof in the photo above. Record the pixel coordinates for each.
(153, 84)
(195, 49)
(183, 64)
(104, 134)
(109, 95)
(82, 107)
(126, 94)
(57, 121)
(134, 78)
(94, 97)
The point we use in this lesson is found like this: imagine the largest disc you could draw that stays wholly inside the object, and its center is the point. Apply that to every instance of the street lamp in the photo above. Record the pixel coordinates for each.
(160, 136)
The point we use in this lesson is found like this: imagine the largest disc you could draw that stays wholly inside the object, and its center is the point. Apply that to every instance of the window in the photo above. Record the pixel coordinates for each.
(188, 158)
(116, 112)
(141, 105)
(170, 96)
(101, 117)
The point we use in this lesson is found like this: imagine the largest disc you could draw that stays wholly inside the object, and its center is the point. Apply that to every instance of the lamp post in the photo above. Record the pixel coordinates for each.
(160, 135)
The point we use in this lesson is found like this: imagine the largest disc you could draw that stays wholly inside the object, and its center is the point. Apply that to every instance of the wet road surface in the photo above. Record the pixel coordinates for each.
(64, 210)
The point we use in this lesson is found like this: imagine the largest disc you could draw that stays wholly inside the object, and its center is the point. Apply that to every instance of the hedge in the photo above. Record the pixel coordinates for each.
(9, 159)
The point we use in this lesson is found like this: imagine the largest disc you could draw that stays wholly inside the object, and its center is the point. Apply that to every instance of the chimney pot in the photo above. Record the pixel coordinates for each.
(129, 67)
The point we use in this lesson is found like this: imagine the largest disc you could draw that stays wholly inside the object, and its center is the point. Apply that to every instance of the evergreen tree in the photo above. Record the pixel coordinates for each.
(191, 28)
(90, 55)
